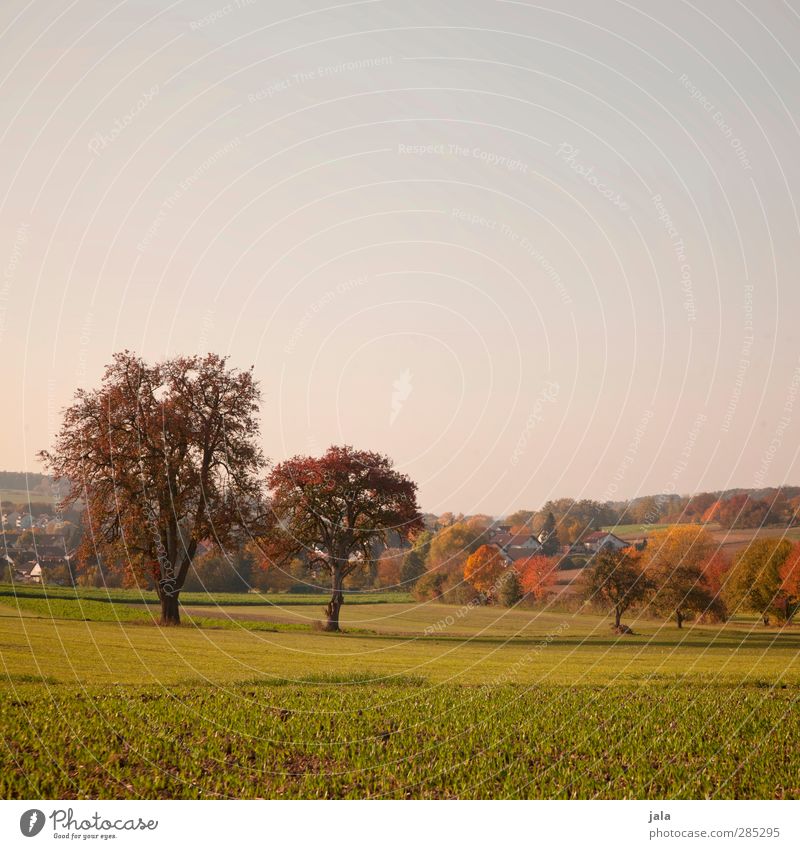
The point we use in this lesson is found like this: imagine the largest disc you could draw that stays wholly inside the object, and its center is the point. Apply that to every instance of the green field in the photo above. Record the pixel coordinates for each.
(26, 496)
(637, 530)
(413, 700)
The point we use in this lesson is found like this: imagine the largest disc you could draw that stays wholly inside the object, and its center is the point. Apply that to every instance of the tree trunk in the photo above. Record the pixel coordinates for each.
(333, 607)
(170, 612)
(679, 617)
(765, 619)
(617, 617)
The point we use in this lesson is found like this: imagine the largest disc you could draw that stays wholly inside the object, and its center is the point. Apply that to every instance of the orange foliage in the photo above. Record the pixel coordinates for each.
(790, 576)
(484, 568)
(537, 575)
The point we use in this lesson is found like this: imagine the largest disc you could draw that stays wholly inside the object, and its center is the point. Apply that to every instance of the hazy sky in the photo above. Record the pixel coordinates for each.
(527, 251)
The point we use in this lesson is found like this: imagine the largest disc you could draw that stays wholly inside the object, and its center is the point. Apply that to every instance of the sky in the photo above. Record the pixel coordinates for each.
(528, 251)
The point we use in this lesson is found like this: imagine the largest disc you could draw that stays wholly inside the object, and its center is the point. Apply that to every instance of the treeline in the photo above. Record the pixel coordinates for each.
(682, 574)
(24, 480)
(776, 507)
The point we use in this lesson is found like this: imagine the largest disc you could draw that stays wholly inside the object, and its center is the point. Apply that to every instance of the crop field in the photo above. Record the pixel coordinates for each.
(413, 700)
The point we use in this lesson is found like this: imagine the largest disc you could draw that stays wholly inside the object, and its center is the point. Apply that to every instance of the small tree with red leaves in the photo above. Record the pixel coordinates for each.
(789, 593)
(537, 575)
(333, 509)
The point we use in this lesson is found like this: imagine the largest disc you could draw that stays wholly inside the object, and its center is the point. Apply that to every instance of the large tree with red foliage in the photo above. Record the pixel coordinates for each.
(333, 509)
(164, 456)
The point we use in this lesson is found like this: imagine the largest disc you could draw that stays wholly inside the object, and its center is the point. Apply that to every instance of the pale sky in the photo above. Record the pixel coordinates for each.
(527, 251)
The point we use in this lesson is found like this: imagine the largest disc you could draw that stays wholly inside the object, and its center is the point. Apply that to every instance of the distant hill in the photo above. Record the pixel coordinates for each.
(23, 480)
(23, 487)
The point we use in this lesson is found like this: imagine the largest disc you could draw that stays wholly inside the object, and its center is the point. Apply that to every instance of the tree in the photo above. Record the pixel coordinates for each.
(755, 580)
(520, 520)
(509, 591)
(389, 567)
(673, 563)
(430, 586)
(537, 575)
(334, 509)
(715, 571)
(414, 563)
(484, 569)
(220, 572)
(548, 536)
(742, 511)
(789, 573)
(451, 546)
(164, 456)
(617, 581)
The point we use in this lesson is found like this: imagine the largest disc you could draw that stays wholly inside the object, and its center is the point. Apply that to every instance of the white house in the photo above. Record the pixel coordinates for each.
(598, 540)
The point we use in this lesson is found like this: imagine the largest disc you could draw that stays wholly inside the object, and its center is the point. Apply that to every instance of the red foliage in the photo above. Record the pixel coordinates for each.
(714, 571)
(537, 575)
(790, 580)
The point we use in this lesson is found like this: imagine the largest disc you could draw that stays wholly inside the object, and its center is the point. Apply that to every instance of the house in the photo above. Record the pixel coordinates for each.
(526, 540)
(513, 547)
(36, 574)
(598, 540)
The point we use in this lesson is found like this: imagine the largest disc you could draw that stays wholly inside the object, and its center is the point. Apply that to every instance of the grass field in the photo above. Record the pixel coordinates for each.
(26, 496)
(412, 700)
(728, 540)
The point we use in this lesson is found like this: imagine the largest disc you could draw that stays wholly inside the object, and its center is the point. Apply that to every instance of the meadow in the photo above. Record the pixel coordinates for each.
(412, 700)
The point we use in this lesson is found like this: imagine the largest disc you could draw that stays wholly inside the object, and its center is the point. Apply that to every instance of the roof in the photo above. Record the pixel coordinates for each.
(506, 540)
(517, 553)
(597, 536)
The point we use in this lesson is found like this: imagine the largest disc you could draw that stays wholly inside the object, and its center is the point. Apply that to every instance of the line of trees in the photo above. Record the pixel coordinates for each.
(682, 574)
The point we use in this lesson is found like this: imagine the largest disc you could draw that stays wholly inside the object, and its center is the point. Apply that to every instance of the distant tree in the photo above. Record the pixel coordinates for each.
(673, 562)
(450, 548)
(789, 591)
(755, 582)
(698, 505)
(220, 571)
(645, 511)
(389, 567)
(742, 511)
(715, 571)
(484, 568)
(430, 586)
(509, 590)
(537, 575)
(333, 509)
(447, 519)
(616, 581)
(415, 561)
(548, 536)
(164, 456)
(575, 518)
(519, 520)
